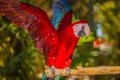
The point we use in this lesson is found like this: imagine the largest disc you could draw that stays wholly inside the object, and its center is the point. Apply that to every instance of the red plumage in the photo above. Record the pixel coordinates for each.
(57, 45)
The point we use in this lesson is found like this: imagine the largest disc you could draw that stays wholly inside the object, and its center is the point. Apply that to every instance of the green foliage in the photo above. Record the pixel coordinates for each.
(82, 57)
(17, 53)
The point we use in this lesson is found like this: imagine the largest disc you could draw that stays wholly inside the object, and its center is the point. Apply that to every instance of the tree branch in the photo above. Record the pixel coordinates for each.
(103, 70)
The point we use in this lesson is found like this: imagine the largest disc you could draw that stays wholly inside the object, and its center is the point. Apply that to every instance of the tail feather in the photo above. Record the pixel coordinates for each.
(44, 77)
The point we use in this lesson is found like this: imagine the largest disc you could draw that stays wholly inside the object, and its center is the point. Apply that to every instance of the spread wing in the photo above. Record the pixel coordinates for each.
(29, 17)
(62, 14)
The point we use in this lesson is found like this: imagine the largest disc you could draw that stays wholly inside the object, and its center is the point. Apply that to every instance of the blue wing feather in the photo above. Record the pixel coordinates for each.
(59, 9)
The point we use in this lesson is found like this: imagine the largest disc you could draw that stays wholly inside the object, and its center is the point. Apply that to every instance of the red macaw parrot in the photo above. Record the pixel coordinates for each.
(56, 43)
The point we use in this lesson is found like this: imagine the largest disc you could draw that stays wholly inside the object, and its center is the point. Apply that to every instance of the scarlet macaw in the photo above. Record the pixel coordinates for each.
(56, 43)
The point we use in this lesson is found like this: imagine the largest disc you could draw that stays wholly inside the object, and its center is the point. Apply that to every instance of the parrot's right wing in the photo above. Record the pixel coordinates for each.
(62, 14)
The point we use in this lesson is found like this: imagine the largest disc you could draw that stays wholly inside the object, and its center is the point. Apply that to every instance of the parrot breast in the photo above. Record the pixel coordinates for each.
(67, 45)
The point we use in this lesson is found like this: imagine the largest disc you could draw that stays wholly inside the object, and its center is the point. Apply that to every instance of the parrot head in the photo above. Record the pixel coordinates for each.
(81, 28)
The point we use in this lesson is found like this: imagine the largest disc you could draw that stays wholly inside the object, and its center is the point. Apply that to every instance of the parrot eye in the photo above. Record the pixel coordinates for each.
(77, 26)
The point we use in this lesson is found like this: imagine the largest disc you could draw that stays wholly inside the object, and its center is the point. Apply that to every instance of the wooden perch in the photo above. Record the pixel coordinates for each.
(104, 70)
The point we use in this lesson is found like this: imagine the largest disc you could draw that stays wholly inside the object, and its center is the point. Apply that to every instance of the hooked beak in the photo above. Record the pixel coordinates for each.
(84, 31)
(81, 33)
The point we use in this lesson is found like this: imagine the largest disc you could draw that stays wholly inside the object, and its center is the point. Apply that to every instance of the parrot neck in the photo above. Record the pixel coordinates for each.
(68, 35)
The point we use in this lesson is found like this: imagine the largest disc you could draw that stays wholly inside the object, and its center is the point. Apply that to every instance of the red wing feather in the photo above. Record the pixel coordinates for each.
(12, 10)
(26, 16)
(66, 21)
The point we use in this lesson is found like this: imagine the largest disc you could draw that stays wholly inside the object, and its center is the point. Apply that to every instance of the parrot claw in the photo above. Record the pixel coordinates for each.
(68, 70)
(57, 71)
(51, 70)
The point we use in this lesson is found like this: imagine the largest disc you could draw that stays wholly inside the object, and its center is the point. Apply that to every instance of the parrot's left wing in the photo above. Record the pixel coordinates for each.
(31, 18)
(62, 14)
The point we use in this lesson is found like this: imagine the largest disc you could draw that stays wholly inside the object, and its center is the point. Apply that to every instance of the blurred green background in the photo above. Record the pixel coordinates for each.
(19, 60)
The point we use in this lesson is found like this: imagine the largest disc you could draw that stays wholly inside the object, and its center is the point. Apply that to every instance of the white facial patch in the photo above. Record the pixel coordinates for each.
(78, 27)
(87, 29)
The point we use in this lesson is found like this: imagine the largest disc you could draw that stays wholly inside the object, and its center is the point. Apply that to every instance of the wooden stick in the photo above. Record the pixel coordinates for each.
(103, 70)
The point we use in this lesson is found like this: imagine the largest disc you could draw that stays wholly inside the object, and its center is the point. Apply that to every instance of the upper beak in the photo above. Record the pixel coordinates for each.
(81, 33)
(84, 31)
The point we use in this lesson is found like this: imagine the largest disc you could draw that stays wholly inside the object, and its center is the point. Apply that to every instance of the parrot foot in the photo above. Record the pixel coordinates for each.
(57, 71)
(54, 71)
(51, 70)
(67, 70)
